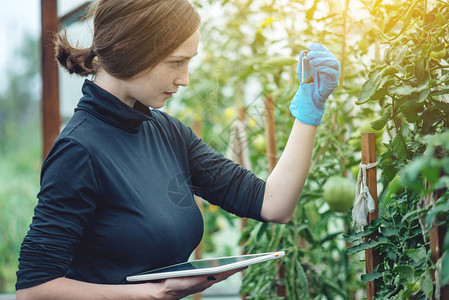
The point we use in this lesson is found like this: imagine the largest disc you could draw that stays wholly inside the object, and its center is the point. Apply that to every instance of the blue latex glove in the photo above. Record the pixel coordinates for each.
(308, 103)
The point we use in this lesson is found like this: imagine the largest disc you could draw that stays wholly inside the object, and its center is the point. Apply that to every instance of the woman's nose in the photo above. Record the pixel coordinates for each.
(183, 78)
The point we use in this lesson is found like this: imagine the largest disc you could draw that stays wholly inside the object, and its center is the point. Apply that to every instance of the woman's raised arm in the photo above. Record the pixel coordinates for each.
(285, 183)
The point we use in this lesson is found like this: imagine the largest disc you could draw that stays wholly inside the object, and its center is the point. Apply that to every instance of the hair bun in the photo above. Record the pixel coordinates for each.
(75, 60)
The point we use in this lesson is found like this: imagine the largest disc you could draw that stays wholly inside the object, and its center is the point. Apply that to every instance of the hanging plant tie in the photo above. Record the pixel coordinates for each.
(363, 202)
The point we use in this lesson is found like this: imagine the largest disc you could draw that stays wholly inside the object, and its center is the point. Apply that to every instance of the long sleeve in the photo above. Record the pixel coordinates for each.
(223, 182)
(67, 200)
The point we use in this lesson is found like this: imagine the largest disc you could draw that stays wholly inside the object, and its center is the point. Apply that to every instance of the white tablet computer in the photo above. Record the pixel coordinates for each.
(205, 266)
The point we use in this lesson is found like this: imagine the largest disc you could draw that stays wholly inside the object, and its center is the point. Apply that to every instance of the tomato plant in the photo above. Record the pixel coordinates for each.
(395, 66)
(408, 87)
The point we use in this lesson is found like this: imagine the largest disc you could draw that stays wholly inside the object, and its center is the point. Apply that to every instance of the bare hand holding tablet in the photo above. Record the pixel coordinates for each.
(205, 266)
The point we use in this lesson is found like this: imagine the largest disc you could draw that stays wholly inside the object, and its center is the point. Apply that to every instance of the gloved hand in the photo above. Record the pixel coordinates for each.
(308, 103)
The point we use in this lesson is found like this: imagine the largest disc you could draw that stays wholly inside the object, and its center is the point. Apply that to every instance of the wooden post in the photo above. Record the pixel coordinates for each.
(74, 15)
(270, 132)
(343, 44)
(197, 128)
(242, 117)
(436, 241)
(437, 233)
(368, 143)
(50, 81)
(244, 221)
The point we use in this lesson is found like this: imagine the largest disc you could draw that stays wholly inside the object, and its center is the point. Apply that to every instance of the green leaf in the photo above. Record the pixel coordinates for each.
(416, 254)
(404, 271)
(399, 147)
(365, 246)
(379, 123)
(261, 231)
(410, 173)
(391, 22)
(442, 106)
(330, 237)
(403, 90)
(379, 94)
(438, 208)
(361, 247)
(446, 242)
(370, 86)
(445, 268)
(408, 18)
(421, 72)
(390, 231)
(378, 2)
(423, 94)
(374, 224)
(432, 173)
(370, 276)
(396, 54)
(358, 236)
(390, 70)
(392, 254)
(442, 92)
(427, 284)
(408, 216)
(302, 276)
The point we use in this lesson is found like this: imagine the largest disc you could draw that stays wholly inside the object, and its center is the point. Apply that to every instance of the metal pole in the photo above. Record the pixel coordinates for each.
(50, 82)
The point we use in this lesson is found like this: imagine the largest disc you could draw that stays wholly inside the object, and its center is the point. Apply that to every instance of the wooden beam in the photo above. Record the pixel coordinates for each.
(437, 232)
(50, 82)
(368, 141)
(74, 15)
(270, 132)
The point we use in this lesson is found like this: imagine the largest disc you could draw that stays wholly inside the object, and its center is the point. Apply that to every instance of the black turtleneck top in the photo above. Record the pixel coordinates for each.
(117, 191)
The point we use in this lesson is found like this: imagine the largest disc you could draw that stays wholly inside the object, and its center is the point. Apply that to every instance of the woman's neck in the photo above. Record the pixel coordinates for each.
(113, 85)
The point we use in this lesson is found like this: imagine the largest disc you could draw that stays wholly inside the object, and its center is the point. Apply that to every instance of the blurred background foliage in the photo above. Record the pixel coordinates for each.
(394, 82)
(20, 155)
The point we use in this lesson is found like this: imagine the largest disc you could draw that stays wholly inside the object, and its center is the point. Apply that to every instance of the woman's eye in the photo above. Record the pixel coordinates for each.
(176, 63)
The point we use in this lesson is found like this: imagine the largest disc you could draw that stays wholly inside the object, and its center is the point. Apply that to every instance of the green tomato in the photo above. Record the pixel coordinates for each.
(395, 187)
(339, 193)
(260, 143)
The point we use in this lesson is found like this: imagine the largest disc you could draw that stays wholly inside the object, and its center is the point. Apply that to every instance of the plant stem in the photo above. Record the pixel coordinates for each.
(424, 13)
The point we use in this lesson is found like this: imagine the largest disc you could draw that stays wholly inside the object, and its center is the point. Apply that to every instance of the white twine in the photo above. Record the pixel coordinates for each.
(363, 202)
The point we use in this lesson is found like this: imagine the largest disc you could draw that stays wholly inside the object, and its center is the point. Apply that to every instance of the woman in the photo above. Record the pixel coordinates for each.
(117, 187)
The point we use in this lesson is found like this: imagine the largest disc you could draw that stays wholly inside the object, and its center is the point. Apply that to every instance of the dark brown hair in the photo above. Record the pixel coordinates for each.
(130, 36)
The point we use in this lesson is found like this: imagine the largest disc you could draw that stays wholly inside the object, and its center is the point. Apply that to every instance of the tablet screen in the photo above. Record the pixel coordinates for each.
(205, 266)
(204, 263)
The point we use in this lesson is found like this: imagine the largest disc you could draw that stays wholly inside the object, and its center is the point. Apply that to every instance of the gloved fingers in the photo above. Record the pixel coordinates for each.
(330, 62)
(326, 86)
(330, 71)
(317, 54)
(317, 47)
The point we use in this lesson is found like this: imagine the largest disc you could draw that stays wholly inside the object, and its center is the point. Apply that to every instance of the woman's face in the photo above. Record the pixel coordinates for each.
(154, 87)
